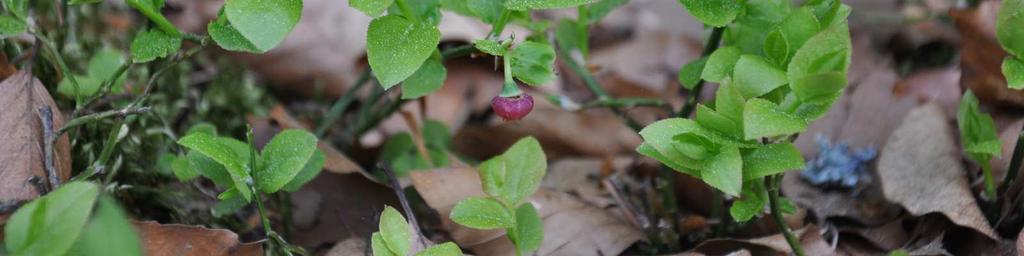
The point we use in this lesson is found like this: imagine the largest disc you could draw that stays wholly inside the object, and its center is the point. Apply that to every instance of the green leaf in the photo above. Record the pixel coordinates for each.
(436, 134)
(515, 174)
(283, 157)
(108, 233)
(11, 26)
(491, 47)
(689, 74)
(776, 48)
(481, 213)
(762, 118)
(17, 7)
(827, 51)
(372, 8)
(715, 13)
(308, 172)
(521, 5)
(224, 154)
(445, 249)
(795, 30)
(264, 23)
(602, 8)
(395, 231)
(977, 130)
(771, 159)
(489, 11)
(751, 202)
(680, 165)
(724, 171)
(230, 202)
(1008, 27)
(729, 102)
(819, 87)
(183, 170)
(50, 224)
(749, 31)
(695, 146)
(74, 2)
(397, 47)
(380, 247)
(228, 37)
(210, 169)
(428, 11)
(710, 119)
(104, 64)
(533, 62)
(152, 44)
(720, 64)
(206, 128)
(753, 76)
(1013, 70)
(529, 231)
(427, 79)
(151, 9)
(659, 137)
(87, 86)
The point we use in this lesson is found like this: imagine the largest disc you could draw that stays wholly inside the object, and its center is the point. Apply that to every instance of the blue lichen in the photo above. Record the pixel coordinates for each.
(837, 166)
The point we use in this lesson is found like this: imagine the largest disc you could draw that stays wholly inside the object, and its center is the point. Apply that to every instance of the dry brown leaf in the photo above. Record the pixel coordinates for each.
(920, 168)
(888, 237)
(570, 226)
(21, 150)
(934, 85)
(1020, 243)
(867, 208)
(334, 160)
(180, 240)
(350, 246)
(810, 239)
(333, 207)
(982, 56)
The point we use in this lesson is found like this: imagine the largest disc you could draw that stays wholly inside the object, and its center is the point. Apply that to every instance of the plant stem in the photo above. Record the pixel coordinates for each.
(509, 88)
(499, 26)
(623, 103)
(65, 71)
(402, 5)
(990, 183)
(397, 188)
(588, 78)
(100, 116)
(712, 44)
(773, 183)
(339, 106)
(457, 51)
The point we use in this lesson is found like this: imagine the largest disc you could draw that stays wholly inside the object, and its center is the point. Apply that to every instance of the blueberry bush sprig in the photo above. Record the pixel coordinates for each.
(780, 68)
(508, 180)
(1010, 32)
(394, 238)
(286, 163)
(979, 138)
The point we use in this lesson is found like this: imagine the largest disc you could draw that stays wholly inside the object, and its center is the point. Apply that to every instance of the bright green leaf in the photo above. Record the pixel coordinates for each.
(753, 76)
(689, 74)
(50, 224)
(74, 2)
(1008, 27)
(795, 30)
(533, 62)
(751, 202)
(725, 171)
(977, 130)
(543, 4)
(715, 13)
(283, 157)
(819, 87)
(372, 8)
(397, 47)
(827, 51)
(11, 26)
(228, 37)
(659, 136)
(445, 249)
(108, 233)
(529, 231)
(104, 64)
(515, 174)
(602, 8)
(224, 154)
(183, 169)
(490, 47)
(762, 118)
(308, 172)
(427, 79)
(489, 11)
(771, 159)
(228, 204)
(776, 48)
(17, 7)
(481, 213)
(87, 86)
(710, 119)
(681, 165)
(720, 64)
(152, 44)
(209, 168)
(394, 230)
(380, 247)
(1013, 70)
(436, 134)
(265, 23)
(572, 37)
(729, 102)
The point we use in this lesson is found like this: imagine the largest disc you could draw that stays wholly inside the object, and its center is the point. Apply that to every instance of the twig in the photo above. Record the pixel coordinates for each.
(417, 136)
(152, 79)
(339, 106)
(100, 116)
(595, 87)
(773, 182)
(712, 44)
(637, 218)
(623, 103)
(404, 201)
(105, 87)
(46, 118)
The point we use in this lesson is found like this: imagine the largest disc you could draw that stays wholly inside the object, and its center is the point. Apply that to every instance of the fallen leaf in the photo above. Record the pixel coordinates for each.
(920, 168)
(810, 240)
(570, 226)
(939, 85)
(333, 207)
(178, 240)
(22, 152)
(887, 237)
(981, 56)
(867, 208)
(350, 246)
